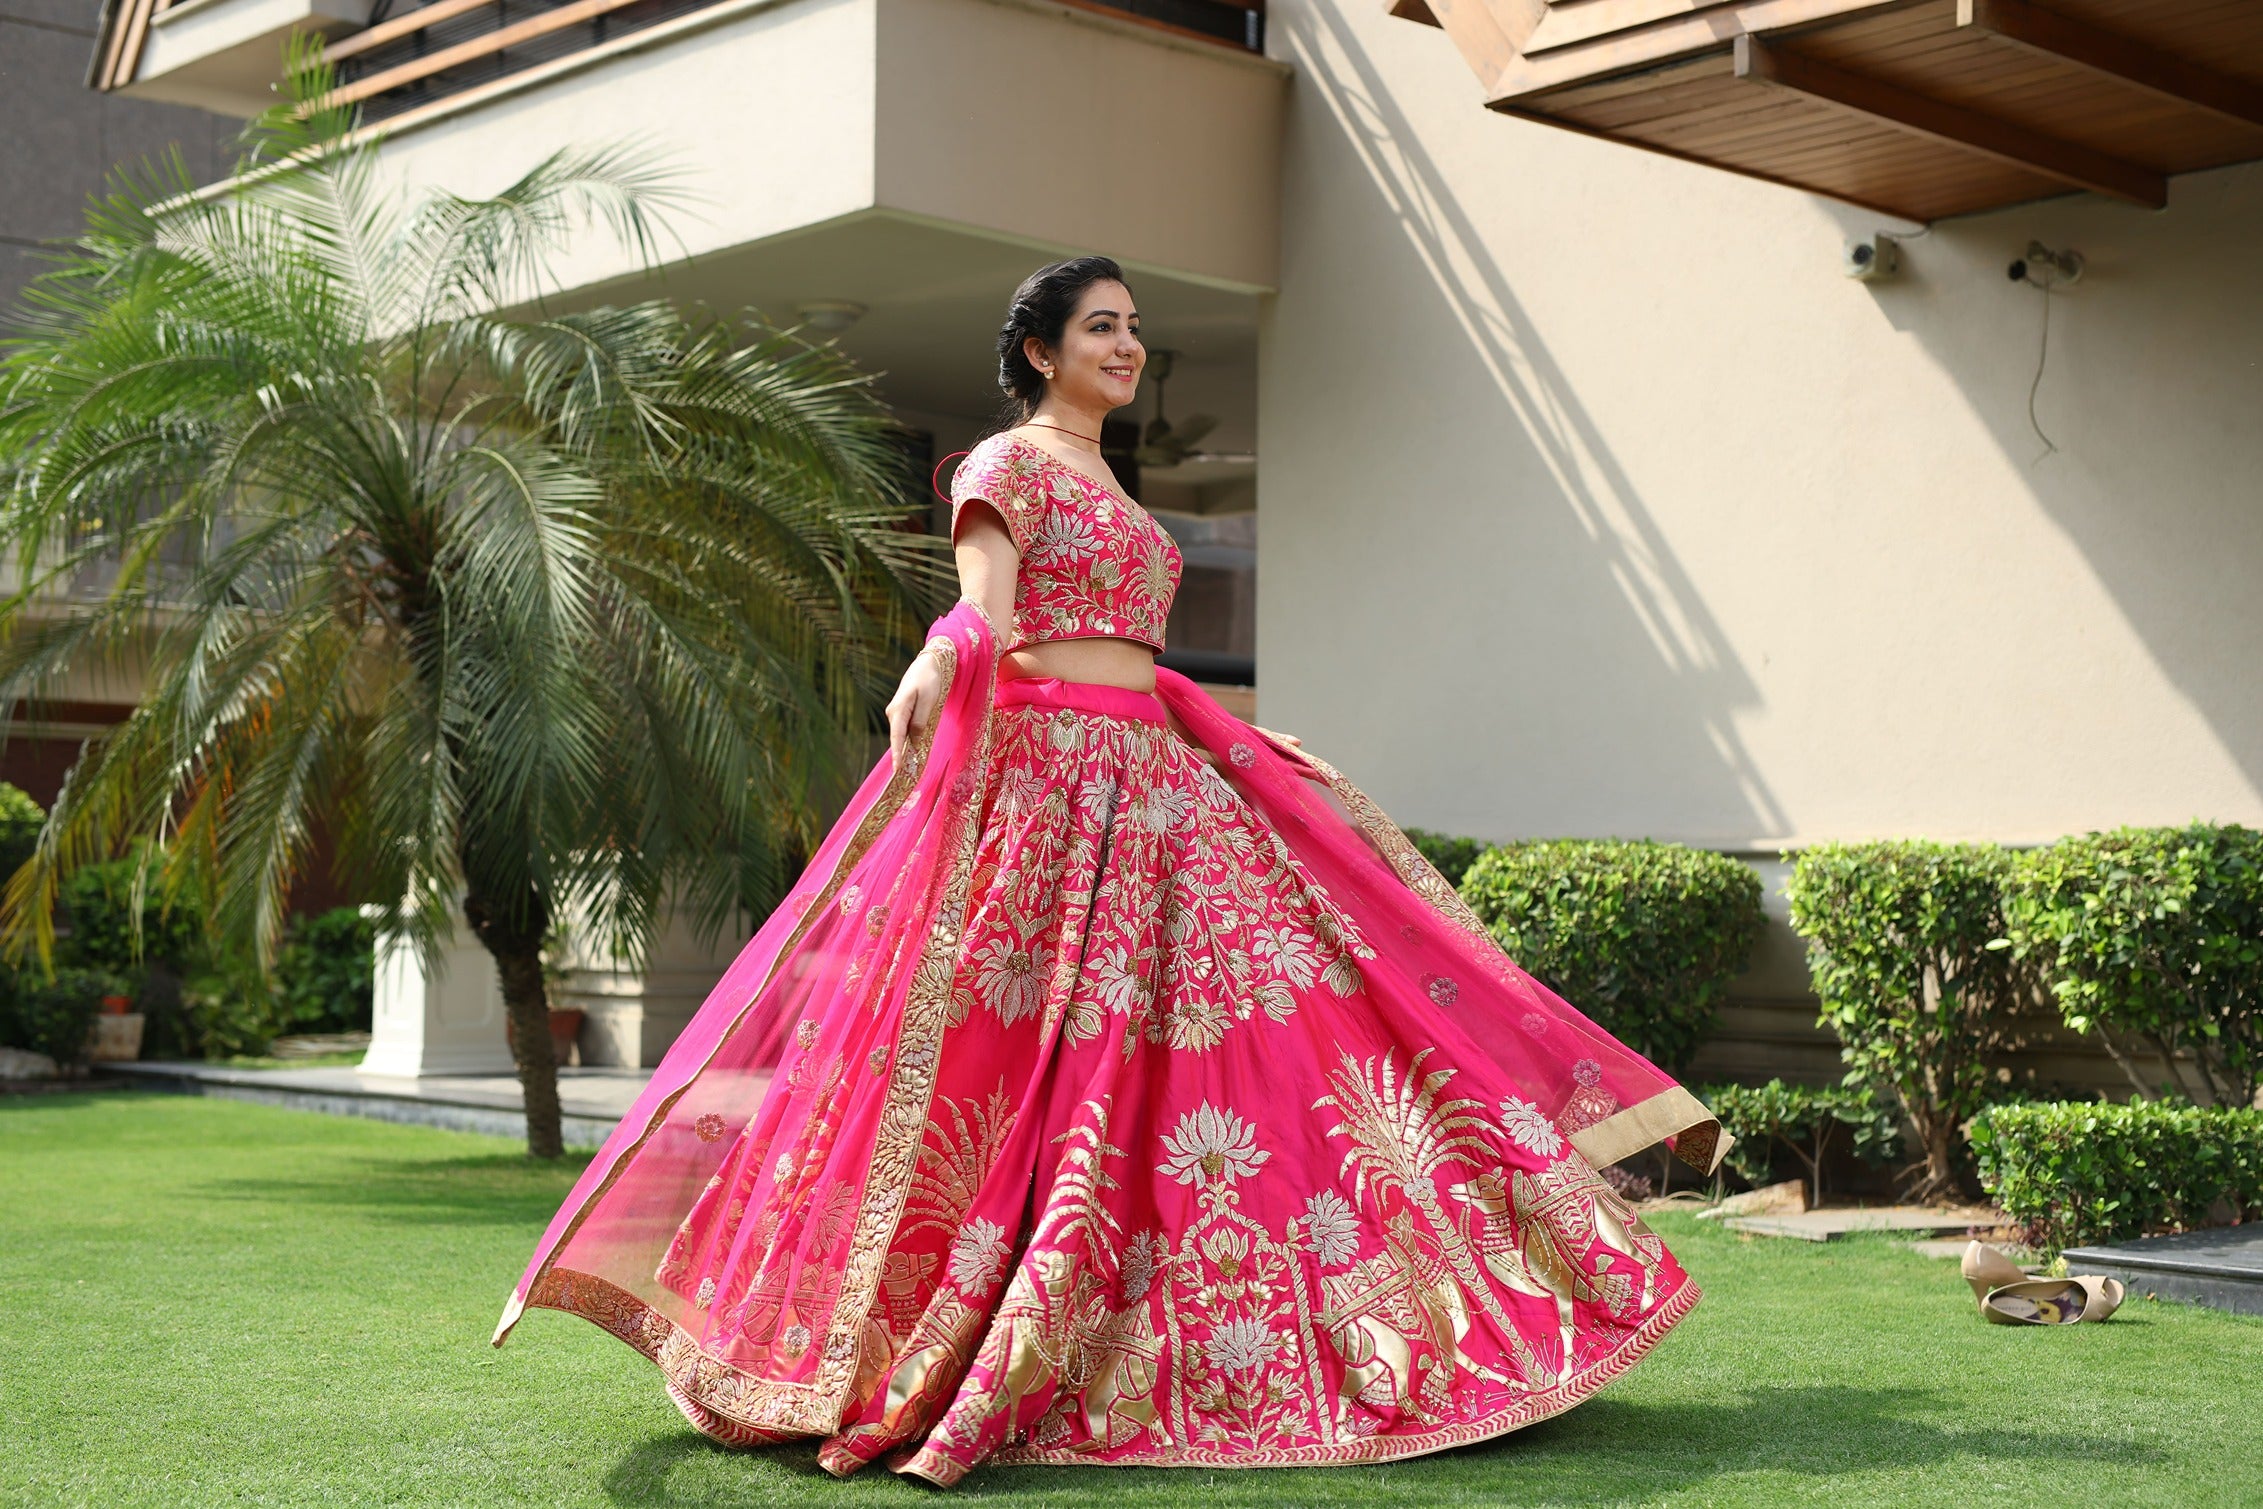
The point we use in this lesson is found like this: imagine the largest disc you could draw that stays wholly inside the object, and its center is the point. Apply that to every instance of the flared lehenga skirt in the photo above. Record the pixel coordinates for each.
(1186, 1190)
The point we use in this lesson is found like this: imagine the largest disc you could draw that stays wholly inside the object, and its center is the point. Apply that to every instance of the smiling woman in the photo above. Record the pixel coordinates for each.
(1141, 1095)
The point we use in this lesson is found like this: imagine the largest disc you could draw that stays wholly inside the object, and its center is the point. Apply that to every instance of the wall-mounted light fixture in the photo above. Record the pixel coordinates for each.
(2046, 268)
(829, 316)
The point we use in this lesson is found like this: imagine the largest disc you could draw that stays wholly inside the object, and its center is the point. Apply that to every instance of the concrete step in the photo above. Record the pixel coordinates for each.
(592, 1100)
(2221, 1268)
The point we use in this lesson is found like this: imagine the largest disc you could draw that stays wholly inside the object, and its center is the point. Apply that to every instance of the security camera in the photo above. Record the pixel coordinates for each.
(2046, 268)
(1878, 257)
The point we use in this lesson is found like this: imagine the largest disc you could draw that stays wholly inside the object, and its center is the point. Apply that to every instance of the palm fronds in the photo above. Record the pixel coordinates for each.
(583, 613)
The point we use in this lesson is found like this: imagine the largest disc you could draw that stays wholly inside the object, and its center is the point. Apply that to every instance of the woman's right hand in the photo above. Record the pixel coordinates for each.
(912, 709)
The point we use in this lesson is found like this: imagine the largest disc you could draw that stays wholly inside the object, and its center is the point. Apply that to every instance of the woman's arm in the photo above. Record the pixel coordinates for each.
(987, 563)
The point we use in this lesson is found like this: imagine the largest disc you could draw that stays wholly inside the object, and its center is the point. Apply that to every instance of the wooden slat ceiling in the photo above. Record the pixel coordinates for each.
(1918, 108)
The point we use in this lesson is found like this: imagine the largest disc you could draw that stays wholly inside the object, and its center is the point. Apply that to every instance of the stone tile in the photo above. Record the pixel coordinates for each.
(18, 266)
(135, 130)
(52, 126)
(81, 16)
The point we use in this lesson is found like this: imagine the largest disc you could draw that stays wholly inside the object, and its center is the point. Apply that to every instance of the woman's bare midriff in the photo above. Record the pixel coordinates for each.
(1095, 662)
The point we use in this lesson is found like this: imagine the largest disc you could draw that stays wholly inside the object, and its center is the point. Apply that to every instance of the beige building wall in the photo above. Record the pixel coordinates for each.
(780, 116)
(1597, 501)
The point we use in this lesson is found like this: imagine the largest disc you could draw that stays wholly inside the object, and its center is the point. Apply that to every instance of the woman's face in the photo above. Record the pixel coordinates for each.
(1097, 365)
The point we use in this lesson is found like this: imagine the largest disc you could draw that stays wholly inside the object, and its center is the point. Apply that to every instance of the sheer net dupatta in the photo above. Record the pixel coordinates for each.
(1423, 953)
(841, 997)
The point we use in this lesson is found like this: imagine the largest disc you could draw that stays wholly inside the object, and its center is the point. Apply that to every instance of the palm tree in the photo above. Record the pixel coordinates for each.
(547, 616)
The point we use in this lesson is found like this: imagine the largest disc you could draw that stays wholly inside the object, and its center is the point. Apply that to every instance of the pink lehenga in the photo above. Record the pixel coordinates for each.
(1092, 1102)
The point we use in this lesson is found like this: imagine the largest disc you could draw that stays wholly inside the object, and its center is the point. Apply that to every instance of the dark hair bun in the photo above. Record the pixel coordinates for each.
(1042, 307)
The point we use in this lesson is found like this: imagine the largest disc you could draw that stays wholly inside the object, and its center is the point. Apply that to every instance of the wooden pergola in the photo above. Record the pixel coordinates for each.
(1917, 108)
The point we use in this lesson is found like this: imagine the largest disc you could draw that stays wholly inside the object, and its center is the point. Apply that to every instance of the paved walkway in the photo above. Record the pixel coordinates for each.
(592, 1099)
(1833, 1222)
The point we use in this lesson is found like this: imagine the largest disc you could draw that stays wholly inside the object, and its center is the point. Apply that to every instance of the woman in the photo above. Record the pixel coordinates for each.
(1140, 1095)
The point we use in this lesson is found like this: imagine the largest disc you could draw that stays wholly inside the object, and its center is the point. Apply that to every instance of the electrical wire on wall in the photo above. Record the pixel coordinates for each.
(2049, 271)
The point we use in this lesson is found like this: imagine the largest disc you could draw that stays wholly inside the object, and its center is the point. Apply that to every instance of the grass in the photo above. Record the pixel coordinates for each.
(206, 1302)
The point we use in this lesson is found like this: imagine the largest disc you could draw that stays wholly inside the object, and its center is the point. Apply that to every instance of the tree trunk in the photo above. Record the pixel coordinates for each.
(1938, 1181)
(515, 942)
(2125, 1063)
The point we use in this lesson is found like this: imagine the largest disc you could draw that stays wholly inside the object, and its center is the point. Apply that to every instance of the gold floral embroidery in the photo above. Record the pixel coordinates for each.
(963, 1139)
(1090, 563)
(1216, 1339)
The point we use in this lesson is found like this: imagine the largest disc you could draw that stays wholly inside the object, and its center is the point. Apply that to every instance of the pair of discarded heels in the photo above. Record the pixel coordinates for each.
(2008, 1297)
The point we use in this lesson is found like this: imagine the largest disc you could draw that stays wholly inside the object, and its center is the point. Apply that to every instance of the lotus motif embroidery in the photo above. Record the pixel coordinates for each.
(1211, 1146)
(1240, 1346)
(978, 1257)
(1331, 1228)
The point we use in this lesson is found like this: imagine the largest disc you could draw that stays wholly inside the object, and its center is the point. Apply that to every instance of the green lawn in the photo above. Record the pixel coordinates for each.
(203, 1302)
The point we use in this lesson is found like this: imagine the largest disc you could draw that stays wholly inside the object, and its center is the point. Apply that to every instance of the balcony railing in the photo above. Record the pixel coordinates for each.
(412, 56)
(408, 55)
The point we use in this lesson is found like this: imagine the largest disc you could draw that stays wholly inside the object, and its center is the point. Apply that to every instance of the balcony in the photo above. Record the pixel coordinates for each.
(1918, 108)
(394, 58)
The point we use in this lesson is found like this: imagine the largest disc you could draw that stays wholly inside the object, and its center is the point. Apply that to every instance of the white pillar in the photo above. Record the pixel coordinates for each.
(631, 1017)
(444, 1020)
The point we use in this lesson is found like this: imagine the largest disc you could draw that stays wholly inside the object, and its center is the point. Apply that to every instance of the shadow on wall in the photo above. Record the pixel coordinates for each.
(1662, 682)
(2146, 443)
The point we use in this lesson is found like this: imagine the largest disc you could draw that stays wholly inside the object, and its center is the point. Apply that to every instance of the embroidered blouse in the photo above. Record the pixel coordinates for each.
(1093, 565)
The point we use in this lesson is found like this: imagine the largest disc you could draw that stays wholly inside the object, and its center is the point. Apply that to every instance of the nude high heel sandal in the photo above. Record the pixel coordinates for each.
(2053, 1301)
(1985, 1268)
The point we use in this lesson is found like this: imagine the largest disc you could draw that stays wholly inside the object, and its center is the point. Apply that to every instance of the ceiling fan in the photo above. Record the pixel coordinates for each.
(1164, 444)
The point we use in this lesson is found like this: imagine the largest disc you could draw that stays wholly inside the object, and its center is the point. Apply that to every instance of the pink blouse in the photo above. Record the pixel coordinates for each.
(1093, 565)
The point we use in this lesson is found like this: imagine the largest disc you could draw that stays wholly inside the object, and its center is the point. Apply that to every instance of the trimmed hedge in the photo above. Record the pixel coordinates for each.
(2153, 935)
(1805, 1121)
(1900, 939)
(1450, 856)
(1644, 937)
(2077, 1172)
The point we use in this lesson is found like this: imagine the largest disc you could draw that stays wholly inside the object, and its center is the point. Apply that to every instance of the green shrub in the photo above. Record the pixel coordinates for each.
(2076, 1172)
(202, 999)
(1450, 856)
(2153, 935)
(20, 822)
(102, 903)
(1644, 937)
(324, 973)
(1899, 937)
(54, 1016)
(1805, 1121)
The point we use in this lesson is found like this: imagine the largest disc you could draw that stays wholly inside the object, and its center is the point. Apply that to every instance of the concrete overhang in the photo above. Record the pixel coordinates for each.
(225, 55)
(1040, 124)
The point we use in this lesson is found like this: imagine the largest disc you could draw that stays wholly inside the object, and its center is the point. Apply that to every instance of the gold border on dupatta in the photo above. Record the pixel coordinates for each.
(814, 1407)
(901, 783)
(1700, 1141)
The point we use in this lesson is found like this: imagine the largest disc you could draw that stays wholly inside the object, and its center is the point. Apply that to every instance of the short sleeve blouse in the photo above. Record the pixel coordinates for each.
(1093, 565)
